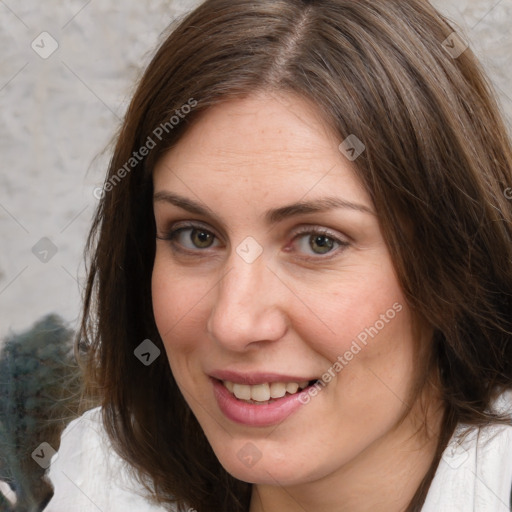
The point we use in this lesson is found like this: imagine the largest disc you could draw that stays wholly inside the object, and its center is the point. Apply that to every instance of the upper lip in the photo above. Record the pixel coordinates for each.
(254, 378)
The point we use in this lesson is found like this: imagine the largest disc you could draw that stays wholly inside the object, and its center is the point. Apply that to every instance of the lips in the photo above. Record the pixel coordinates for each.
(254, 378)
(259, 399)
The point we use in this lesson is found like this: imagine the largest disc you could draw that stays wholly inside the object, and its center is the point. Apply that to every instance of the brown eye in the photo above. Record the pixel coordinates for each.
(201, 238)
(191, 238)
(321, 244)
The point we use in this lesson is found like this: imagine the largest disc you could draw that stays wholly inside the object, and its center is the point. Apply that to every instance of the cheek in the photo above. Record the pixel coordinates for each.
(176, 302)
(375, 367)
(176, 307)
(371, 355)
(363, 327)
(363, 306)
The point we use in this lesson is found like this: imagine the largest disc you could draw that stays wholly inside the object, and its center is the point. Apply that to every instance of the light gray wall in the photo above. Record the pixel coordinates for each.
(58, 113)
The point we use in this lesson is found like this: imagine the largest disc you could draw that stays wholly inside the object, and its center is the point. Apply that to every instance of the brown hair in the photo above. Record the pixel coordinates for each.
(436, 164)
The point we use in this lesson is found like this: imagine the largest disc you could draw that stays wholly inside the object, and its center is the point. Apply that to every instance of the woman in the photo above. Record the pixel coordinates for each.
(300, 286)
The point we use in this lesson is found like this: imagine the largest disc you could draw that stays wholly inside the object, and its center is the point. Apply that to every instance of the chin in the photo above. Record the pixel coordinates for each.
(244, 461)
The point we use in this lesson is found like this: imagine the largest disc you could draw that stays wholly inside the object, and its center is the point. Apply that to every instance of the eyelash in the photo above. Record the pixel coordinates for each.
(171, 236)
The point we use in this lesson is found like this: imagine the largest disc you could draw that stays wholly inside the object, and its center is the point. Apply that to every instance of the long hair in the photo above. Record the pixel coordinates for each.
(436, 165)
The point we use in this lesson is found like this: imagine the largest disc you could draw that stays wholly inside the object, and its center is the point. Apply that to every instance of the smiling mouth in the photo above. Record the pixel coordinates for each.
(265, 393)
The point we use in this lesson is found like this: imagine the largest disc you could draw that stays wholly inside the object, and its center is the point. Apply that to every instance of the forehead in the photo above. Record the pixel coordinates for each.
(269, 143)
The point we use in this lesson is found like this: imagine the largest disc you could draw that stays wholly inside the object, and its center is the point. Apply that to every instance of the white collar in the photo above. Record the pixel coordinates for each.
(475, 473)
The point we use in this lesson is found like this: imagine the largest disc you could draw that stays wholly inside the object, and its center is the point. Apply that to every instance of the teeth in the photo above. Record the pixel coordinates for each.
(292, 387)
(264, 392)
(260, 393)
(278, 389)
(242, 391)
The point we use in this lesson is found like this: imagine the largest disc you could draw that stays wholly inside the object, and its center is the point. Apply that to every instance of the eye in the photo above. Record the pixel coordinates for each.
(311, 241)
(191, 237)
(318, 242)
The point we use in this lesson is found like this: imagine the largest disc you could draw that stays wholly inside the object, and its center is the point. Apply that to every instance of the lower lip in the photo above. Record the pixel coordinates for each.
(254, 415)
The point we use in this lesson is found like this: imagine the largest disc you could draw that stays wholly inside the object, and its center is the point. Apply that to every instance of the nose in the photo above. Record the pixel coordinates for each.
(247, 309)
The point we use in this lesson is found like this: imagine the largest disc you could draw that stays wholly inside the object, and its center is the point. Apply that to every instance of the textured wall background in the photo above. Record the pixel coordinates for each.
(58, 113)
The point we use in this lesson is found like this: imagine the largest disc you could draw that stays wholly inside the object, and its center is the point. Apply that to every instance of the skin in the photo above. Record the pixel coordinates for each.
(293, 310)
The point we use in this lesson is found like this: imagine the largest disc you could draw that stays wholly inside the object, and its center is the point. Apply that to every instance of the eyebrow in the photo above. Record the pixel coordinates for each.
(272, 216)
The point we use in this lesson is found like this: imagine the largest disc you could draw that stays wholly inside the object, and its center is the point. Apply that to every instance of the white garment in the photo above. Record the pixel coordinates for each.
(475, 475)
(88, 476)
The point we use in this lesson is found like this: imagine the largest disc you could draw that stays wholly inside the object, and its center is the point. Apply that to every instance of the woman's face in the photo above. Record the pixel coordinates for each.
(271, 272)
